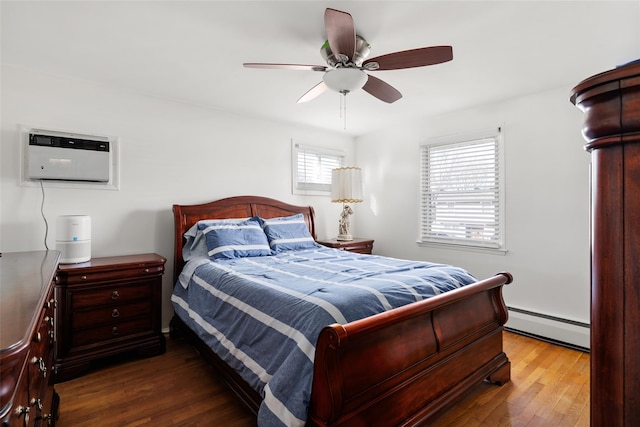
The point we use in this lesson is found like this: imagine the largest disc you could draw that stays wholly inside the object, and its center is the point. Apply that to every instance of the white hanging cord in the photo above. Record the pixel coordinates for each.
(46, 224)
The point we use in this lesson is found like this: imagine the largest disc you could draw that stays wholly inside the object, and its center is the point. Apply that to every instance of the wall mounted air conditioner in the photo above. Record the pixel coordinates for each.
(67, 157)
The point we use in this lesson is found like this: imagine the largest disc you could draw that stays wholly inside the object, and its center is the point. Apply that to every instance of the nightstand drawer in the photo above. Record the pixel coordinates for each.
(102, 334)
(110, 295)
(362, 248)
(109, 314)
(357, 245)
(115, 274)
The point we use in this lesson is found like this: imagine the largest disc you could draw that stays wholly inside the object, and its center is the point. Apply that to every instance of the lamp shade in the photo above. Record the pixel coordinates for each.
(345, 80)
(346, 185)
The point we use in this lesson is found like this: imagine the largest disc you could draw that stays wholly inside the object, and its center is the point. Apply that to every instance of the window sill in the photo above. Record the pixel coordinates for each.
(467, 248)
(298, 192)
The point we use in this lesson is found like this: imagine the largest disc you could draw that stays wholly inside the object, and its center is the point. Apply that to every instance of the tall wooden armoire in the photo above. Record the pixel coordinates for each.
(611, 103)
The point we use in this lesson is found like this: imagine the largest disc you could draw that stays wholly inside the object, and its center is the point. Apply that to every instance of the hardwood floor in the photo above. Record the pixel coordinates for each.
(549, 387)
(174, 389)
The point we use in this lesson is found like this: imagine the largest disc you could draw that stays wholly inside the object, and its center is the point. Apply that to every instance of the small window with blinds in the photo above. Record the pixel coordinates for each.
(312, 169)
(462, 193)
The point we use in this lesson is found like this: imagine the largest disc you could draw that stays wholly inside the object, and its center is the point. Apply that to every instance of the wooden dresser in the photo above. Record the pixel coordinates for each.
(611, 103)
(27, 338)
(108, 306)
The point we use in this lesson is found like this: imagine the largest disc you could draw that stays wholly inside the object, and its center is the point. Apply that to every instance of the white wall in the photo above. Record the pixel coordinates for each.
(547, 199)
(170, 153)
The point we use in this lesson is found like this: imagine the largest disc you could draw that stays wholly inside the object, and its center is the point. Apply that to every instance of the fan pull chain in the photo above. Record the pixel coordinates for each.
(343, 108)
(345, 111)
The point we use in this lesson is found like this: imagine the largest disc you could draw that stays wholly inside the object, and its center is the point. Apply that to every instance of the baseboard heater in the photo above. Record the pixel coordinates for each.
(565, 332)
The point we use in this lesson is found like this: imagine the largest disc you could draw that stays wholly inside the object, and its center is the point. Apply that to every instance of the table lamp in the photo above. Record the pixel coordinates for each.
(346, 187)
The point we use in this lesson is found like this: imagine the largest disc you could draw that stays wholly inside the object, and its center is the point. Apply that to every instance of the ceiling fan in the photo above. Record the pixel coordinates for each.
(346, 55)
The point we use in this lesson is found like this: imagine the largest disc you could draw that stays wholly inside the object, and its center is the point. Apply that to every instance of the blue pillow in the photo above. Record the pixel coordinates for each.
(235, 240)
(288, 233)
(195, 245)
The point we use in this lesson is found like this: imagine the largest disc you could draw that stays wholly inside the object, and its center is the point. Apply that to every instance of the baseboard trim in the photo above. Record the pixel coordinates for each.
(565, 332)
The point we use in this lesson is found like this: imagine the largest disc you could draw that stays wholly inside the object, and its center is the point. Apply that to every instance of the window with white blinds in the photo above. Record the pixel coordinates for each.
(312, 169)
(462, 193)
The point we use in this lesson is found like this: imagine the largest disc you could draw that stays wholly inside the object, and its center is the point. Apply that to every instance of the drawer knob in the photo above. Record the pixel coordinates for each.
(37, 403)
(146, 270)
(115, 313)
(20, 411)
(37, 337)
(83, 277)
(39, 362)
(49, 418)
(114, 331)
(115, 295)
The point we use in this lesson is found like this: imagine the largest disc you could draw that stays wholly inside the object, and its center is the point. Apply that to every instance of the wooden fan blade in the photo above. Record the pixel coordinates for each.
(313, 92)
(413, 58)
(341, 32)
(294, 67)
(381, 90)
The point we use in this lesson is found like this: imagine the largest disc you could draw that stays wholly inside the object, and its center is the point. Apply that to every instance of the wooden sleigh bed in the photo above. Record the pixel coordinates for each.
(401, 367)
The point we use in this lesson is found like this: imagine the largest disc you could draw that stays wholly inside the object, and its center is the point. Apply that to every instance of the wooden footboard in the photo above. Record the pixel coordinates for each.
(403, 367)
(406, 366)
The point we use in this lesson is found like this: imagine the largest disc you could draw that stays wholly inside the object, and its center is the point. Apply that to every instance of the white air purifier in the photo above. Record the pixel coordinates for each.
(73, 238)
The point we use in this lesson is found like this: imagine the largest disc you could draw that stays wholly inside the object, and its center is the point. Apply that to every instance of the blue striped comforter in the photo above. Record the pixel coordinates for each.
(262, 315)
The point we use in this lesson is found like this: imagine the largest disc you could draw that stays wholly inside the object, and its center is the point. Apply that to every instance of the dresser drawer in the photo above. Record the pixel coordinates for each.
(76, 277)
(110, 295)
(102, 334)
(43, 339)
(40, 363)
(109, 314)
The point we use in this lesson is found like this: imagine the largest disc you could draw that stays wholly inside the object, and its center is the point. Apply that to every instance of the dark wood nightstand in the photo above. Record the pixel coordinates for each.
(108, 306)
(361, 246)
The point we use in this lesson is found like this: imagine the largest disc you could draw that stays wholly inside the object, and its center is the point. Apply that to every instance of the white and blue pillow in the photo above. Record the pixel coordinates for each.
(195, 245)
(288, 233)
(227, 240)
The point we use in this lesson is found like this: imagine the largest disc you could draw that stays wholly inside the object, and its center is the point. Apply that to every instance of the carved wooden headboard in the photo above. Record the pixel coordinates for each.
(185, 216)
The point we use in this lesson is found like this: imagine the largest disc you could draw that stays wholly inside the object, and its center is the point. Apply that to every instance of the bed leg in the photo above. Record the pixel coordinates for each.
(502, 375)
(174, 328)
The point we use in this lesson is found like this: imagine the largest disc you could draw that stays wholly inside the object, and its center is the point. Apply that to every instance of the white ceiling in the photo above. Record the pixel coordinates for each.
(192, 51)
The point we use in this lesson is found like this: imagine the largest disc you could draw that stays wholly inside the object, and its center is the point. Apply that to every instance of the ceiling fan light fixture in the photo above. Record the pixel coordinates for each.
(345, 80)
(347, 65)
